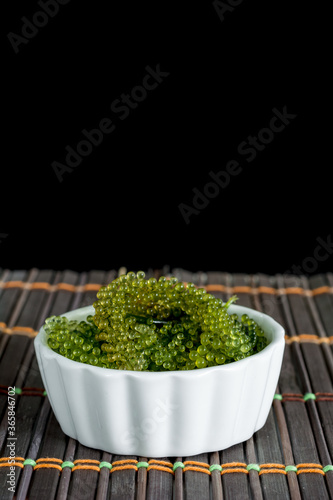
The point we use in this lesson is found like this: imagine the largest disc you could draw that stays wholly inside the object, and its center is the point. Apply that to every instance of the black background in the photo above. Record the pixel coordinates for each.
(120, 206)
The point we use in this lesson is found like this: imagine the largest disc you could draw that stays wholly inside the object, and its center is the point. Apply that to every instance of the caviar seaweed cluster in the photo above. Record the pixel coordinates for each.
(156, 325)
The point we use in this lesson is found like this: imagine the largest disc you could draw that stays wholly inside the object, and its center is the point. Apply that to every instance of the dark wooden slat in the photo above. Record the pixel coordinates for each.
(123, 482)
(104, 478)
(318, 306)
(28, 407)
(17, 300)
(323, 301)
(178, 482)
(33, 306)
(315, 364)
(199, 278)
(244, 298)
(26, 412)
(267, 439)
(160, 484)
(9, 296)
(329, 278)
(216, 479)
(15, 349)
(305, 433)
(197, 483)
(32, 453)
(84, 482)
(66, 471)
(235, 485)
(287, 450)
(142, 480)
(325, 408)
(270, 304)
(4, 277)
(251, 458)
(62, 299)
(98, 277)
(44, 481)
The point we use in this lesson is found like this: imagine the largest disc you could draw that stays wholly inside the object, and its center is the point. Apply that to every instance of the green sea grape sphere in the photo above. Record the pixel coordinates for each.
(156, 325)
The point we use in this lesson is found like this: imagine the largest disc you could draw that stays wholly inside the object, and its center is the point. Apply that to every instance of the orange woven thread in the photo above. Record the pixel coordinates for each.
(266, 289)
(294, 289)
(160, 462)
(41, 285)
(27, 329)
(13, 284)
(210, 287)
(236, 469)
(193, 462)
(18, 464)
(4, 459)
(233, 464)
(33, 391)
(242, 289)
(86, 461)
(309, 465)
(289, 339)
(160, 467)
(321, 289)
(2, 324)
(318, 471)
(58, 460)
(65, 286)
(272, 471)
(301, 400)
(324, 396)
(324, 340)
(123, 467)
(215, 288)
(126, 461)
(85, 467)
(277, 466)
(18, 330)
(196, 469)
(91, 287)
(47, 466)
(289, 396)
(313, 339)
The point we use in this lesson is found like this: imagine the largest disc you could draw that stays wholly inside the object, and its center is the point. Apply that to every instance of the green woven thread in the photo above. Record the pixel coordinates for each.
(67, 464)
(309, 395)
(105, 464)
(44, 393)
(18, 390)
(178, 464)
(142, 464)
(253, 467)
(215, 467)
(278, 396)
(327, 468)
(29, 461)
(290, 468)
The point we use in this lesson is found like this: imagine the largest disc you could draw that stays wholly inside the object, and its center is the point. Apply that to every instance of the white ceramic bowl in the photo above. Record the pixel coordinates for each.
(163, 414)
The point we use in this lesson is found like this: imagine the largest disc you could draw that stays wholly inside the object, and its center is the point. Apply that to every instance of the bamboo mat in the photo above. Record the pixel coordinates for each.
(290, 457)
